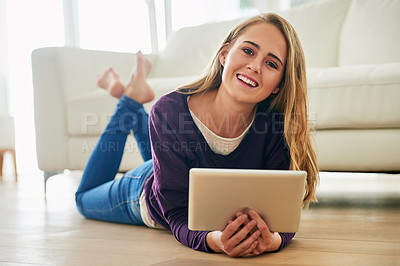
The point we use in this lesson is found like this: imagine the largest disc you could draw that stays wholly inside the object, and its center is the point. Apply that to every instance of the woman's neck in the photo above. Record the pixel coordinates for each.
(222, 115)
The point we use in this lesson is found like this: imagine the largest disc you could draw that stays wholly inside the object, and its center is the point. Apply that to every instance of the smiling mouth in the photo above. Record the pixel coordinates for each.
(248, 81)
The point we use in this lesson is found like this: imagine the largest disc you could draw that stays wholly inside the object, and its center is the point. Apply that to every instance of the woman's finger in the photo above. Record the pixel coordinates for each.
(241, 235)
(238, 214)
(247, 246)
(261, 224)
(232, 227)
(250, 250)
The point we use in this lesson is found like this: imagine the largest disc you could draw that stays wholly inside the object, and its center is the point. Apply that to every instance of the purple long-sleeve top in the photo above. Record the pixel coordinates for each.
(178, 146)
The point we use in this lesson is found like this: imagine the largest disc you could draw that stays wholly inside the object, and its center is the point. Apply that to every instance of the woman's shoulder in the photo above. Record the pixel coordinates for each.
(171, 102)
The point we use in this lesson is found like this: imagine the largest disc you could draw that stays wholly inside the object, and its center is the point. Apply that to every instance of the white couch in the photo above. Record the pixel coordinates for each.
(353, 59)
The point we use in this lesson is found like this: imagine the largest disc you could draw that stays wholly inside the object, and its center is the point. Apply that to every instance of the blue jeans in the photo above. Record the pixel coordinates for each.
(99, 195)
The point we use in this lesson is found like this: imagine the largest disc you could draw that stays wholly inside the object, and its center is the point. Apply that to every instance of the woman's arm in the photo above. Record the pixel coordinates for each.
(169, 203)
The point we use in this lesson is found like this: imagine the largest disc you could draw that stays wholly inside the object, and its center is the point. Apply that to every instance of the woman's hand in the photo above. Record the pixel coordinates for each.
(267, 241)
(238, 239)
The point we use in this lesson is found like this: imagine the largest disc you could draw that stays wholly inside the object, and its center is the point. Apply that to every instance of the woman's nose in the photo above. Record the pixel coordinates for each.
(255, 66)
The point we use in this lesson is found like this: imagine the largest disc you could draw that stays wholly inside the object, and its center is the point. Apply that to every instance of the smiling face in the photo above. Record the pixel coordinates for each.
(254, 64)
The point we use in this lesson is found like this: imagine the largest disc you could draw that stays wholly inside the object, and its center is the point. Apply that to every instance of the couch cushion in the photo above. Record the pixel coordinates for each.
(89, 113)
(371, 33)
(318, 26)
(80, 148)
(190, 49)
(363, 96)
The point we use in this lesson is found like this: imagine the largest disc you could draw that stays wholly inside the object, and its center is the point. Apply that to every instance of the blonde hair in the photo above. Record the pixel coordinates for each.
(291, 99)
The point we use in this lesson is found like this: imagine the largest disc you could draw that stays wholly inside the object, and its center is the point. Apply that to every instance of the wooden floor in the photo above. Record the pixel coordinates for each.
(340, 231)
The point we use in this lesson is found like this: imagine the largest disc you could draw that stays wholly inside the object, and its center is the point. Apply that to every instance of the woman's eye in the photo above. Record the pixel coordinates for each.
(248, 51)
(271, 64)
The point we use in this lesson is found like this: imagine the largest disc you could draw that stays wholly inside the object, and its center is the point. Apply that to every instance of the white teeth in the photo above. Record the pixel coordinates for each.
(246, 80)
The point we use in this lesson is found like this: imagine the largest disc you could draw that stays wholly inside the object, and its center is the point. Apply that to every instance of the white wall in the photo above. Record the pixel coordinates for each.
(271, 5)
(4, 107)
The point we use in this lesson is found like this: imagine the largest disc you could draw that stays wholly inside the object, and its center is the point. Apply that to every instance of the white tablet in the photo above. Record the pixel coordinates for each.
(215, 195)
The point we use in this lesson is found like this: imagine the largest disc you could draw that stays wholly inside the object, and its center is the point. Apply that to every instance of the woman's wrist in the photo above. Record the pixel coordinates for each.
(213, 240)
(277, 241)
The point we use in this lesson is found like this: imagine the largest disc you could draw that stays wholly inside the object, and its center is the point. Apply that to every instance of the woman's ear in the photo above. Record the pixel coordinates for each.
(223, 53)
(276, 90)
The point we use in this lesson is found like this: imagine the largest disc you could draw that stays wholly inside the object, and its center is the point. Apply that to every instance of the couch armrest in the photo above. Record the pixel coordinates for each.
(61, 74)
(49, 108)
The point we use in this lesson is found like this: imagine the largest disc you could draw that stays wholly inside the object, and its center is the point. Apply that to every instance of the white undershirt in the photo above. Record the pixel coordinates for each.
(218, 144)
(144, 213)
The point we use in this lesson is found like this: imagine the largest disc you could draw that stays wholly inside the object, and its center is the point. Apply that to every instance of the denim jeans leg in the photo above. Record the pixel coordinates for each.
(105, 159)
(142, 135)
(99, 196)
(117, 200)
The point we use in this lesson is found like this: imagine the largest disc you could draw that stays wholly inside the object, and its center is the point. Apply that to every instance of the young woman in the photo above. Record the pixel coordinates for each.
(248, 111)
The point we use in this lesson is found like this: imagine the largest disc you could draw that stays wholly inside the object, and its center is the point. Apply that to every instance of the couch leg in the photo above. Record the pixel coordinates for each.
(47, 175)
(1, 163)
(12, 151)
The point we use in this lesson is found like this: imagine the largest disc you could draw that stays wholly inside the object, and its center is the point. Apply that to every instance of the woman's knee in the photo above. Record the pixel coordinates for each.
(78, 202)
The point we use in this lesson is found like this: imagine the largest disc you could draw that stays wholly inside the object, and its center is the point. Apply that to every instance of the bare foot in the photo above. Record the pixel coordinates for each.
(111, 82)
(144, 64)
(138, 88)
